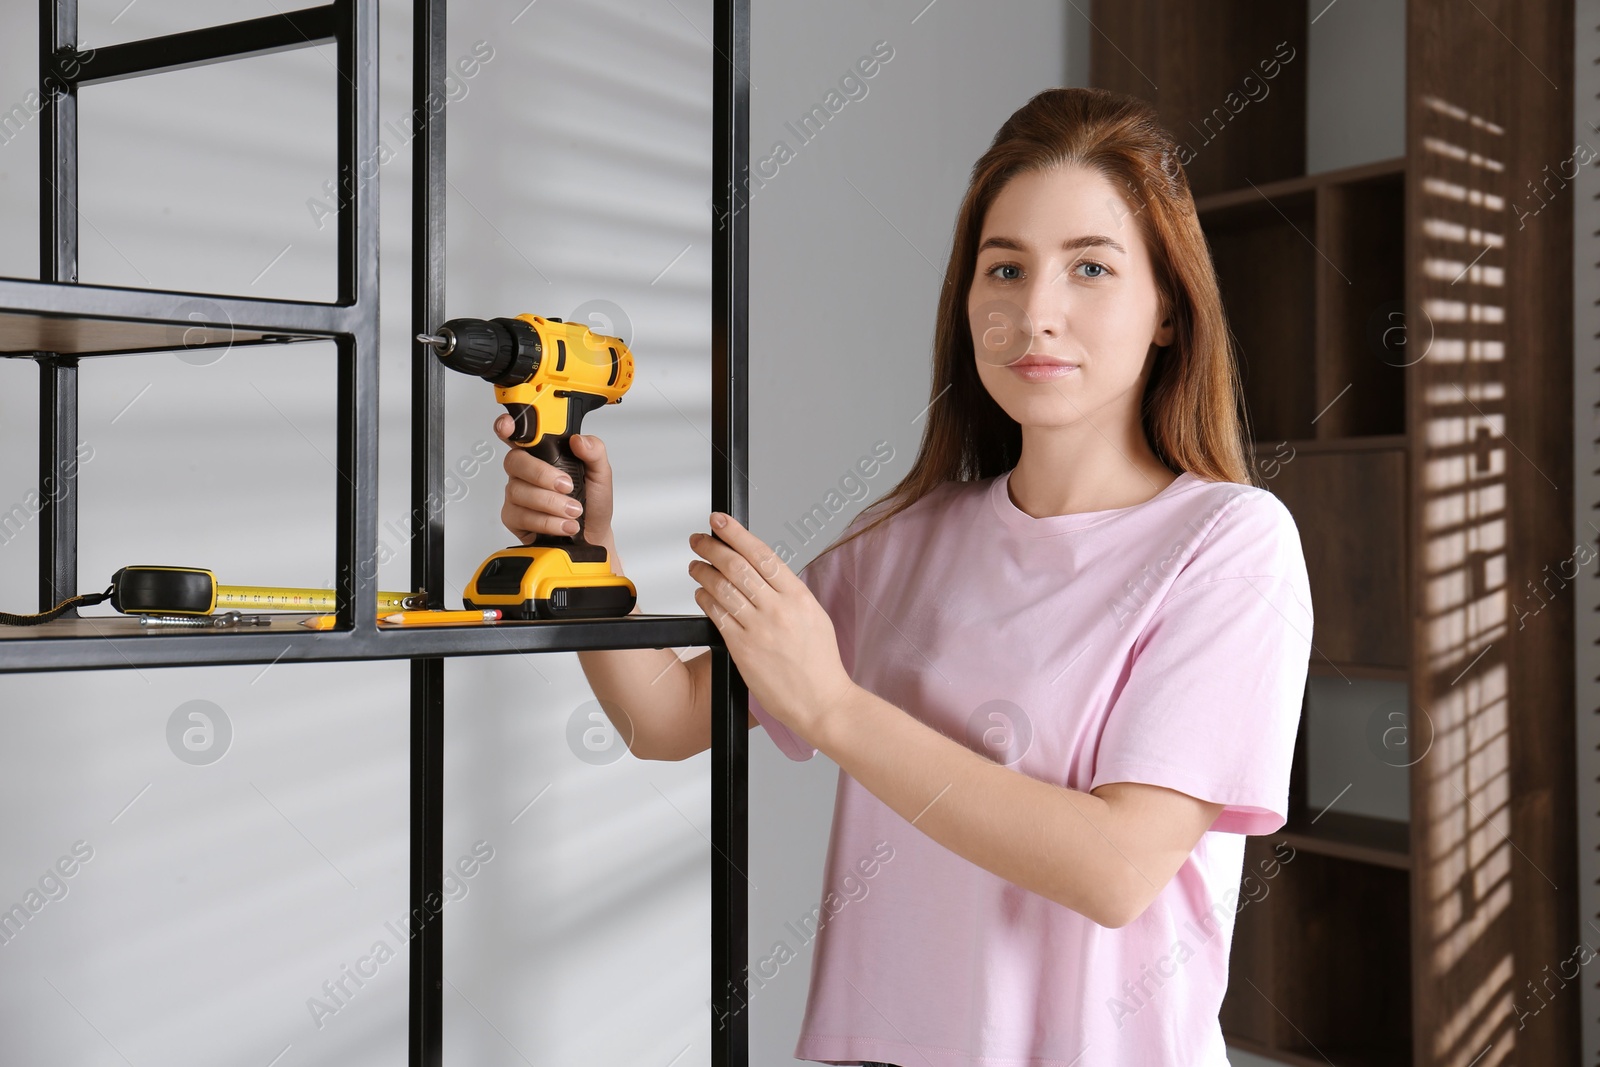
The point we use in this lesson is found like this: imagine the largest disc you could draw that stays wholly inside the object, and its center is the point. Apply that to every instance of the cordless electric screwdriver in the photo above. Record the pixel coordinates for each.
(548, 374)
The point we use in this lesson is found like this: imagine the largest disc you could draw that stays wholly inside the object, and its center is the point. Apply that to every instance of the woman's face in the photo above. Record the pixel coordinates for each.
(1064, 274)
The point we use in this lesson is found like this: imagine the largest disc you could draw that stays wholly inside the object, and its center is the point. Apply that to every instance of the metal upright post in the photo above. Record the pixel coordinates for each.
(356, 491)
(58, 262)
(427, 544)
(730, 111)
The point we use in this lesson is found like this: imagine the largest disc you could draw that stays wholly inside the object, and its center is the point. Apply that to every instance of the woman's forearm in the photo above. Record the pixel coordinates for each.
(645, 692)
(1057, 842)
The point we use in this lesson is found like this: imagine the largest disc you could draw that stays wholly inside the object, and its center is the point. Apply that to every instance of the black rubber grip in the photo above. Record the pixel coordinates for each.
(556, 450)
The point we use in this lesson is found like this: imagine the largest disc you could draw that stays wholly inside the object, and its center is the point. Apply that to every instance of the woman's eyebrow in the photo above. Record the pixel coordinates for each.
(1071, 243)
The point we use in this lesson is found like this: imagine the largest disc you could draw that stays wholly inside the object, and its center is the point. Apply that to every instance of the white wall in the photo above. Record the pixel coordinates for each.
(220, 897)
(1355, 82)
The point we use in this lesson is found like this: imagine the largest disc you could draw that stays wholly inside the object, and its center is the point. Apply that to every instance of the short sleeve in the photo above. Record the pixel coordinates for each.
(826, 578)
(1211, 702)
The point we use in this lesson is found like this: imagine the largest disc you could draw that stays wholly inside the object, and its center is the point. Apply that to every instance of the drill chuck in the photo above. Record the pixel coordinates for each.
(548, 373)
(503, 351)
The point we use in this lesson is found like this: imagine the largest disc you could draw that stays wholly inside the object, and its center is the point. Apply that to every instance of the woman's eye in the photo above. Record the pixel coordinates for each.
(994, 271)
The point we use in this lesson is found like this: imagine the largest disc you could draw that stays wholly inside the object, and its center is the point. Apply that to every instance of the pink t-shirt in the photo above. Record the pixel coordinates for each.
(1165, 643)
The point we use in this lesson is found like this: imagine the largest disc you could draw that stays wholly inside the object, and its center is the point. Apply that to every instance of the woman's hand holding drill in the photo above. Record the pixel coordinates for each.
(537, 500)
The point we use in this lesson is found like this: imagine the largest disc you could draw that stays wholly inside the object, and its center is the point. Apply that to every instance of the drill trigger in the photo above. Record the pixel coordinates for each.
(525, 423)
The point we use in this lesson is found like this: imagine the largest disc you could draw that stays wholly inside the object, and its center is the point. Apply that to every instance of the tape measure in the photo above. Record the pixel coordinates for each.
(194, 591)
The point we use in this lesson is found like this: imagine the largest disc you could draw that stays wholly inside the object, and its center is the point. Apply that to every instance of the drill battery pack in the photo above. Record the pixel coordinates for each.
(540, 582)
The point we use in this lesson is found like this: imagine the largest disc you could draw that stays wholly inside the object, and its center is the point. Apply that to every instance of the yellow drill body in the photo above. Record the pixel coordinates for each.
(574, 359)
(548, 374)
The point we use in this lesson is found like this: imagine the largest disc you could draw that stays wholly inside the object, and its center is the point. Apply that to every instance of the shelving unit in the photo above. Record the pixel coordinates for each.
(59, 323)
(1405, 356)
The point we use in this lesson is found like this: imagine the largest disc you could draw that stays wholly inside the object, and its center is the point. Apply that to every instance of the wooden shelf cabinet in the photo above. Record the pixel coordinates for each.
(1265, 262)
(1323, 946)
(1355, 551)
(1404, 342)
(1312, 273)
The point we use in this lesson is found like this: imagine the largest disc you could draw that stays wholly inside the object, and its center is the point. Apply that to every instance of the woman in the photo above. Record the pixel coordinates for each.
(1060, 664)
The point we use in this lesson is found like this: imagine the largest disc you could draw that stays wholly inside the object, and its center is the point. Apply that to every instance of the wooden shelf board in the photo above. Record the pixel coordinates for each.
(102, 626)
(1359, 443)
(1343, 1055)
(1381, 842)
(1325, 669)
(24, 333)
(114, 642)
(1296, 186)
(280, 622)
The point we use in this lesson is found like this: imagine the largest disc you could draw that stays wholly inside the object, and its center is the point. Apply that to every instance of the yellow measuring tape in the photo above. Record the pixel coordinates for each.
(152, 590)
(193, 591)
(267, 598)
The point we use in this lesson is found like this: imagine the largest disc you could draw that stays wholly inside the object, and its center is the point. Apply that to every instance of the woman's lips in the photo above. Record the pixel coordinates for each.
(1041, 371)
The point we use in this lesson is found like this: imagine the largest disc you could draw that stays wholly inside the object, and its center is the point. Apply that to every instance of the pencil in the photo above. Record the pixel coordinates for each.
(425, 618)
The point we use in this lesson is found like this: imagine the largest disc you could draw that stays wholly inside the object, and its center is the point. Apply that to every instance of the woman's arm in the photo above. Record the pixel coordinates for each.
(658, 702)
(1105, 854)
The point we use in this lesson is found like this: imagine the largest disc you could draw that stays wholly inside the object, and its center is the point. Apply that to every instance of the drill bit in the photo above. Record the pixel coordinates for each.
(225, 620)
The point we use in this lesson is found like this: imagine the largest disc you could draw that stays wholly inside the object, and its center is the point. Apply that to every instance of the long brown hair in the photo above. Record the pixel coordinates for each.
(1191, 410)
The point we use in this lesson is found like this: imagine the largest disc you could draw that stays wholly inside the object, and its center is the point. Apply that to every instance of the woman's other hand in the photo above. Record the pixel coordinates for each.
(781, 638)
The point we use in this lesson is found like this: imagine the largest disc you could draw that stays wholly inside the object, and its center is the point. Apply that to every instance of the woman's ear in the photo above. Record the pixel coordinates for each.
(1164, 333)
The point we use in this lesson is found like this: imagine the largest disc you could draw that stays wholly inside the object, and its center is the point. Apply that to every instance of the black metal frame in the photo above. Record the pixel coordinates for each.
(351, 323)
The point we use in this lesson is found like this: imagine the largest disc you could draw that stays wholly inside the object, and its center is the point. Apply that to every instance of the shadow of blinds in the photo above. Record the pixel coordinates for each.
(1467, 887)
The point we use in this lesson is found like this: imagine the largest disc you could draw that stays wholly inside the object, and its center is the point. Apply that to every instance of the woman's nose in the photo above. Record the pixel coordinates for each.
(1044, 310)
